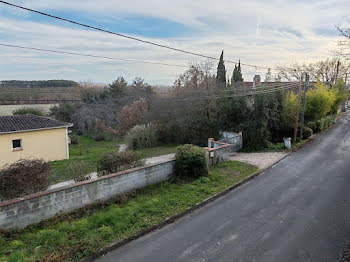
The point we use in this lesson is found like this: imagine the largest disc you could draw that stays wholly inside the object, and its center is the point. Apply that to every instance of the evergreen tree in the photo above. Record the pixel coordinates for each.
(118, 87)
(237, 74)
(221, 73)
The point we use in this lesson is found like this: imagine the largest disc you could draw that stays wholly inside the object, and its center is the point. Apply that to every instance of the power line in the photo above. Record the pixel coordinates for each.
(251, 93)
(263, 87)
(87, 55)
(269, 86)
(230, 96)
(127, 36)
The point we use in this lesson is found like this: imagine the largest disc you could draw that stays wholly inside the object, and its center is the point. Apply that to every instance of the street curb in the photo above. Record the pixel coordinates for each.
(174, 218)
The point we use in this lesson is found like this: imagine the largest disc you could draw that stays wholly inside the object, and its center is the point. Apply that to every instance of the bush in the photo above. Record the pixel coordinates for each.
(74, 140)
(23, 178)
(132, 115)
(99, 137)
(319, 101)
(307, 132)
(79, 171)
(112, 162)
(325, 122)
(329, 120)
(190, 162)
(142, 136)
(63, 112)
(28, 110)
(312, 125)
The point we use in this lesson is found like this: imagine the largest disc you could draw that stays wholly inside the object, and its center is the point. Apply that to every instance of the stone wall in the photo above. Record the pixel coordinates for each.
(18, 213)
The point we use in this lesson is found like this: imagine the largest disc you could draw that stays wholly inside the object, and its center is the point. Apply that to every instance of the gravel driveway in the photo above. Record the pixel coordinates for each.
(261, 160)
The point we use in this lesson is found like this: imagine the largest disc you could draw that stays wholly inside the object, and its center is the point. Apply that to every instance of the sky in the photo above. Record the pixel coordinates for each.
(265, 33)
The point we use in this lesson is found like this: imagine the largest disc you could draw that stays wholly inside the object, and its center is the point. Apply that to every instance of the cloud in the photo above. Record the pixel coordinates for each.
(266, 33)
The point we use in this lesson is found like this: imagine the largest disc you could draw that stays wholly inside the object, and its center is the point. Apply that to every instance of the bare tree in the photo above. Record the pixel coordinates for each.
(327, 71)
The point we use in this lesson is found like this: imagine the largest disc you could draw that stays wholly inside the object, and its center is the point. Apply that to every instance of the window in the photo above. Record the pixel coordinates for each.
(17, 144)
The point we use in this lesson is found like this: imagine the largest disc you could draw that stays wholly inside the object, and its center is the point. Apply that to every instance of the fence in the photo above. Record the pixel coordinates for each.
(18, 213)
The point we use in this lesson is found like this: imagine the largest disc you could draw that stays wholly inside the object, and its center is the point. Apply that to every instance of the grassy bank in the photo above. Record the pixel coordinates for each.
(74, 238)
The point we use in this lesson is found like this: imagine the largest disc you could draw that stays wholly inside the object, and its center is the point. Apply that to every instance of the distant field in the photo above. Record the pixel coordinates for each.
(8, 109)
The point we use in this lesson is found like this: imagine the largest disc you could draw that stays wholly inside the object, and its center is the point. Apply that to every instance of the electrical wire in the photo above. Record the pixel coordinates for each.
(251, 93)
(94, 56)
(212, 91)
(128, 37)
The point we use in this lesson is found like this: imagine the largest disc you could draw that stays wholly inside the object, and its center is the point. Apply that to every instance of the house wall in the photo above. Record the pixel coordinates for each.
(49, 145)
(43, 205)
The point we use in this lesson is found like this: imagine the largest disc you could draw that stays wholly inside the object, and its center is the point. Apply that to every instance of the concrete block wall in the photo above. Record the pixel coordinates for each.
(31, 209)
(217, 152)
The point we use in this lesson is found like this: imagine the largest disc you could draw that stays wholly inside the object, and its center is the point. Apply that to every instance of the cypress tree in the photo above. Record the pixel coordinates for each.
(221, 73)
(237, 74)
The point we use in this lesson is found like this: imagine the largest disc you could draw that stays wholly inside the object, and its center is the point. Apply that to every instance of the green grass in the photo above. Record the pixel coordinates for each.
(88, 150)
(276, 147)
(75, 238)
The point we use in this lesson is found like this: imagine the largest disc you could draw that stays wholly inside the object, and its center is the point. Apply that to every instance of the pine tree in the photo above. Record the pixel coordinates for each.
(221, 73)
(237, 74)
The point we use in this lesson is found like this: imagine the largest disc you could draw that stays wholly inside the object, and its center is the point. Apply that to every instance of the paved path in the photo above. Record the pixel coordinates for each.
(299, 210)
(261, 160)
(158, 159)
(123, 147)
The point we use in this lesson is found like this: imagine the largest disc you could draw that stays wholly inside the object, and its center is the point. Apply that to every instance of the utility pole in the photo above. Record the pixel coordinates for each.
(337, 72)
(306, 84)
(296, 123)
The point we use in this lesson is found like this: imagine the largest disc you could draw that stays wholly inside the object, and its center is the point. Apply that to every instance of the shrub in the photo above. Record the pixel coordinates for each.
(190, 162)
(307, 132)
(320, 125)
(63, 112)
(312, 125)
(74, 140)
(24, 177)
(132, 115)
(142, 136)
(79, 171)
(329, 120)
(99, 137)
(325, 122)
(112, 162)
(319, 101)
(28, 110)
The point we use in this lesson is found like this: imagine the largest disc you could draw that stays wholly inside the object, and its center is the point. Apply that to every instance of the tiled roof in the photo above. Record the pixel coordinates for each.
(28, 122)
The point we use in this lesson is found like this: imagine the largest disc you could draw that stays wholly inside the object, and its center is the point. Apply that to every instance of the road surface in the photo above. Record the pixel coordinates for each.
(299, 210)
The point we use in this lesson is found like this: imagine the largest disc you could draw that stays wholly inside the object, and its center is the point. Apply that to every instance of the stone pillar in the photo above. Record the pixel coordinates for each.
(241, 142)
(210, 142)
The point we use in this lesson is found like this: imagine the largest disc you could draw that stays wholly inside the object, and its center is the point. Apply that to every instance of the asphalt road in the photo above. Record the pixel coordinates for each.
(299, 210)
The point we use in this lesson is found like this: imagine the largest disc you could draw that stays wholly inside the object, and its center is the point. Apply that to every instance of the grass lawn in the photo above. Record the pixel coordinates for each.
(71, 238)
(88, 150)
(277, 147)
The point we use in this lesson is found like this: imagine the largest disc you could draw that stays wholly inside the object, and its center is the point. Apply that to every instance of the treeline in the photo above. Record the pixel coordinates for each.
(200, 104)
(37, 83)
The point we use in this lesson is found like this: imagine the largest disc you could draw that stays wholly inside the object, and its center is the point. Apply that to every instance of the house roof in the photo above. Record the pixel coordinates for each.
(21, 123)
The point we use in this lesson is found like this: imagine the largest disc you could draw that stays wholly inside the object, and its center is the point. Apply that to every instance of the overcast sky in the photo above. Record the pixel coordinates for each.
(266, 33)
